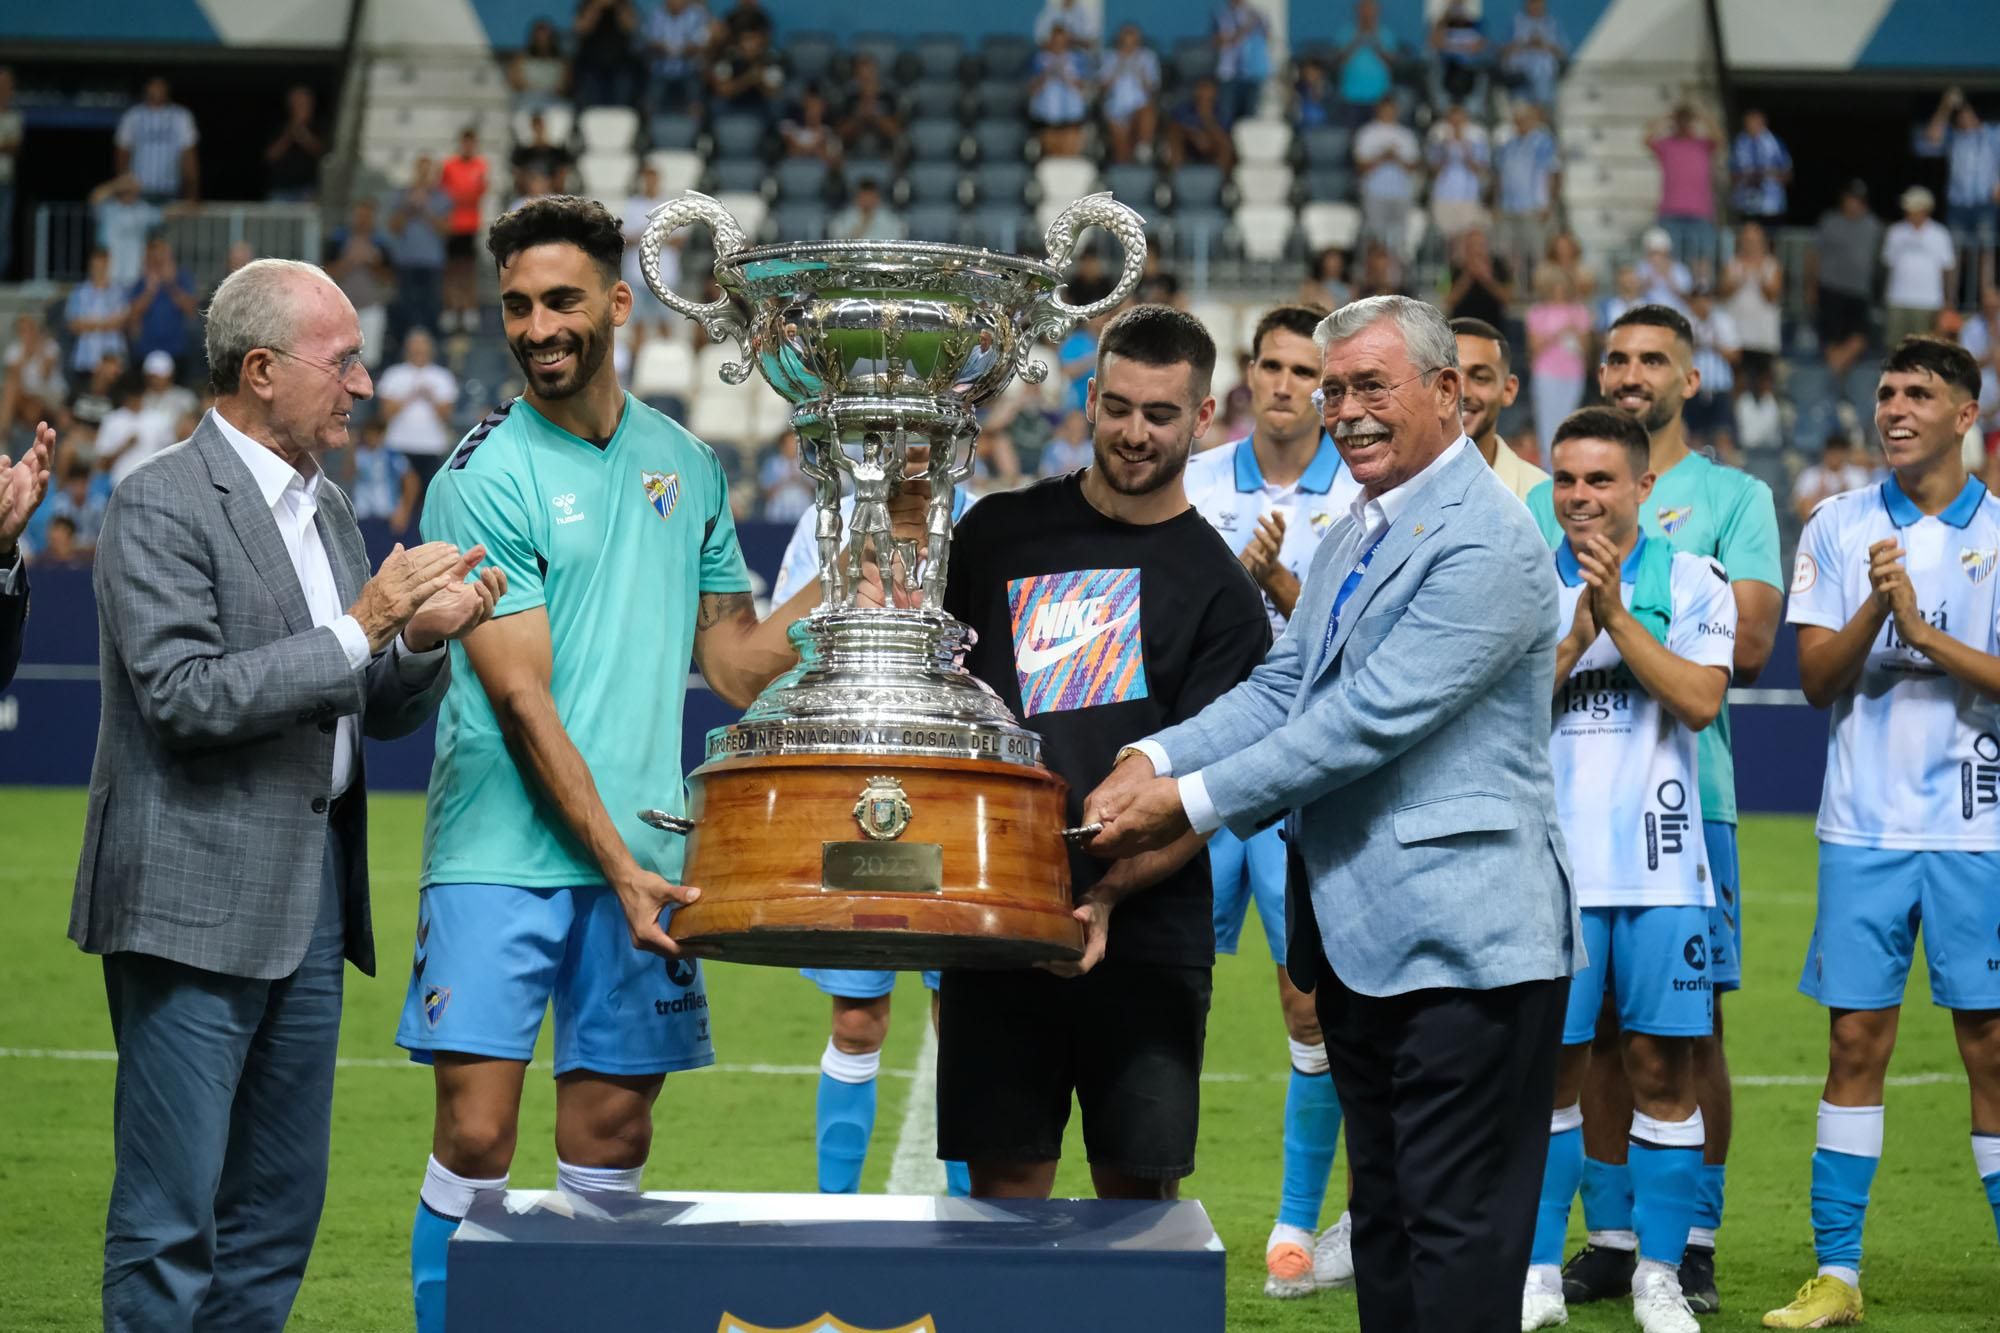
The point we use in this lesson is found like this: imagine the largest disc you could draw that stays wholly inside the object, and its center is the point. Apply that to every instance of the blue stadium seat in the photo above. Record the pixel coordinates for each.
(939, 56)
(1132, 183)
(668, 130)
(1199, 230)
(885, 47)
(933, 182)
(1326, 145)
(799, 220)
(1194, 58)
(1003, 97)
(934, 222)
(935, 140)
(745, 175)
(810, 55)
(857, 169)
(1001, 182)
(1197, 185)
(937, 99)
(801, 178)
(1007, 230)
(1000, 140)
(739, 135)
(1004, 55)
(1334, 184)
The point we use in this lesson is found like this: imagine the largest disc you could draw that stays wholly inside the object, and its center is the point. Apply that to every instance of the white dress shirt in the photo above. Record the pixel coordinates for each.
(1373, 517)
(294, 501)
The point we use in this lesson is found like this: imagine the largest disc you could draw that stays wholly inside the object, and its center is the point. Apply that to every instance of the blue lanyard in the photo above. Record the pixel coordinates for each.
(1347, 587)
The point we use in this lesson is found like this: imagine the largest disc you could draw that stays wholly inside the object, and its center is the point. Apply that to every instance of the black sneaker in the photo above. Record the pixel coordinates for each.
(1595, 1273)
(1698, 1280)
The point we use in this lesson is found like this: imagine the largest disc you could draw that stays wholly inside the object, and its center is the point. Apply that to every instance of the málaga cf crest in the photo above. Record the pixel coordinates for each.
(1672, 520)
(826, 1323)
(1977, 562)
(663, 489)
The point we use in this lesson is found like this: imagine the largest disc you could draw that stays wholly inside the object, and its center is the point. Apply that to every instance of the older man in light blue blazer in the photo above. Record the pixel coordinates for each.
(1401, 728)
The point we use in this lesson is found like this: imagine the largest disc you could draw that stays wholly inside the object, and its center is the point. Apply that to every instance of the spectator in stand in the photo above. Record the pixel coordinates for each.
(868, 217)
(1760, 169)
(1922, 264)
(1710, 415)
(1076, 359)
(1566, 253)
(1022, 417)
(291, 160)
(1069, 448)
(606, 32)
(1628, 289)
(1381, 271)
(649, 315)
(1314, 101)
(34, 388)
(805, 131)
(538, 73)
(1325, 288)
(873, 123)
(746, 79)
(1981, 333)
(1059, 95)
(124, 220)
(1684, 141)
(130, 434)
(91, 401)
(155, 141)
(1760, 426)
(539, 157)
(1837, 472)
(10, 152)
(1460, 56)
(1753, 284)
(418, 226)
(383, 487)
(1242, 57)
(1529, 168)
(76, 503)
(784, 492)
(1460, 161)
(415, 398)
(1482, 287)
(1972, 183)
(744, 16)
(358, 262)
(1078, 19)
(1840, 277)
(1533, 61)
(1558, 325)
(159, 394)
(1367, 58)
(1130, 79)
(162, 306)
(676, 45)
(463, 180)
(1664, 279)
(95, 314)
(1388, 157)
(1196, 131)
(62, 547)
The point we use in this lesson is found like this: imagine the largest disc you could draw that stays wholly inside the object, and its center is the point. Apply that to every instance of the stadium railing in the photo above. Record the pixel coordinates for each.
(201, 235)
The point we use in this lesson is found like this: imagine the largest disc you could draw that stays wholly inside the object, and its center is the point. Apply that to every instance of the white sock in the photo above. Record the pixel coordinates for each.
(1546, 1277)
(1854, 1130)
(1282, 1234)
(838, 1064)
(1702, 1238)
(597, 1179)
(1986, 1154)
(449, 1194)
(1615, 1240)
(1847, 1275)
(1648, 1269)
(1688, 1133)
(1308, 1059)
(1566, 1119)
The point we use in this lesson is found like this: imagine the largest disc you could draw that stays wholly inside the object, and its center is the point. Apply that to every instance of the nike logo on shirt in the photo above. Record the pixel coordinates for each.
(1031, 660)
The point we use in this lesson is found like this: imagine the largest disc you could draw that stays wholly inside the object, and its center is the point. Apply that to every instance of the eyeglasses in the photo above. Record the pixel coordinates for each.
(341, 370)
(1369, 393)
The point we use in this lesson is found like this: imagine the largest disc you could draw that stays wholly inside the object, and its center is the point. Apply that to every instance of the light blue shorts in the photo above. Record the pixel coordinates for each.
(1725, 919)
(1655, 959)
(857, 983)
(1871, 903)
(490, 958)
(1247, 872)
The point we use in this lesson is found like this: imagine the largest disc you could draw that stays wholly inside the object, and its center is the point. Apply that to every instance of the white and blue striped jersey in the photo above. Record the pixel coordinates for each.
(1913, 756)
(1228, 488)
(801, 562)
(1626, 790)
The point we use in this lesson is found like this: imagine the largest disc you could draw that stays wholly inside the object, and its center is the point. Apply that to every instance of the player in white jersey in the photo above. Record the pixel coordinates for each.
(1897, 606)
(1273, 495)
(1642, 670)
(844, 1111)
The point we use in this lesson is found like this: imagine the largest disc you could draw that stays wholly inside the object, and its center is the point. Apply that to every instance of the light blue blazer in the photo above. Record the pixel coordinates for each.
(1412, 758)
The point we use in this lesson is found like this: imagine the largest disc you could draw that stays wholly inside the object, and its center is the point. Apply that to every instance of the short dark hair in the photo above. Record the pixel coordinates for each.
(1611, 426)
(1654, 315)
(1299, 319)
(1465, 326)
(1158, 335)
(1946, 360)
(559, 219)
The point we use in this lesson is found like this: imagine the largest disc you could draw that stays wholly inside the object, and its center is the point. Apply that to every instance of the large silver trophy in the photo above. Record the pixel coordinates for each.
(877, 805)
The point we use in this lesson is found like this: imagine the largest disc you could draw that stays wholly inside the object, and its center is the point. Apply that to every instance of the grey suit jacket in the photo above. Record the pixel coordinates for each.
(1412, 754)
(210, 793)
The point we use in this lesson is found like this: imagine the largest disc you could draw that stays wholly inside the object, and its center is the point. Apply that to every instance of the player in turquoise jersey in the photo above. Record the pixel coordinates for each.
(1710, 510)
(539, 882)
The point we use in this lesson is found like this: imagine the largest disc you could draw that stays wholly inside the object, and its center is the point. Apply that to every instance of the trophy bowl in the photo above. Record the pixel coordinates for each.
(877, 806)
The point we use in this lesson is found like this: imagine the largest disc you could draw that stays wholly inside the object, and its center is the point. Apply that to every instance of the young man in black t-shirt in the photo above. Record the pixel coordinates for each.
(1106, 608)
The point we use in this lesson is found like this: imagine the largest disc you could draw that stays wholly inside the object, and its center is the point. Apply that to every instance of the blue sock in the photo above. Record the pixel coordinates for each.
(846, 1117)
(1560, 1179)
(1607, 1195)
(1992, 1184)
(1665, 1160)
(1312, 1133)
(445, 1199)
(1708, 1203)
(1843, 1168)
(957, 1180)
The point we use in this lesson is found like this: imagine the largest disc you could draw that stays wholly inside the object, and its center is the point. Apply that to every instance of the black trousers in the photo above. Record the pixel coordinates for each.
(1446, 1095)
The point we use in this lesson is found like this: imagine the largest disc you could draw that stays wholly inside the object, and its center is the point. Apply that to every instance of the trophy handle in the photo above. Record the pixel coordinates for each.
(717, 316)
(667, 823)
(1097, 210)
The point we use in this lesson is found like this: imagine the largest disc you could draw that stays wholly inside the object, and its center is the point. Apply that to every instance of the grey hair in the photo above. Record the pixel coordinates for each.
(1427, 338)
(251, 309)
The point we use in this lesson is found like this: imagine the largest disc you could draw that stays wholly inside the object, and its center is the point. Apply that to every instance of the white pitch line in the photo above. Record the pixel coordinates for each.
(915, 1169)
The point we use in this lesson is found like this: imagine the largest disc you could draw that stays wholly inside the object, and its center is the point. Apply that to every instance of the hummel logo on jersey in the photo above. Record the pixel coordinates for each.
(566, 503)
(1977, 563)
(1673, 520)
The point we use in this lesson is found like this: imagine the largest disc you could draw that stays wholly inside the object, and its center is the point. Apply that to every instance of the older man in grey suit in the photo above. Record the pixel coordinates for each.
(1402, 725)
(224, 868)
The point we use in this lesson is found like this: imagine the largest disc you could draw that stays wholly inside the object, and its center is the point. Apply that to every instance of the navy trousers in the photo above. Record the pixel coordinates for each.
(223, 1112)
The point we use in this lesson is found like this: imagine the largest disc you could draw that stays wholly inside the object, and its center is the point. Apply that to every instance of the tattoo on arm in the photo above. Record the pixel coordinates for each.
(716, 607)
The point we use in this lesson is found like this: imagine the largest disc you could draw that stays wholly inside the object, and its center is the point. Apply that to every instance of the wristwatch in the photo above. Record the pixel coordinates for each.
(1126, 752)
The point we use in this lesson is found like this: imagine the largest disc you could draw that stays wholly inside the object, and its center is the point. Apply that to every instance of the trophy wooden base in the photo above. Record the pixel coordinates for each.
(892, 862)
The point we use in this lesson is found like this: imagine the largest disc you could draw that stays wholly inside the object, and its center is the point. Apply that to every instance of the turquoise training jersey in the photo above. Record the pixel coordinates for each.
(1703, 508)
(617, 543)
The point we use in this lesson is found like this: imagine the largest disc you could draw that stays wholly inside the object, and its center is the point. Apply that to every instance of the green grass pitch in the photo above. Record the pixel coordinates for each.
(1932, 1259)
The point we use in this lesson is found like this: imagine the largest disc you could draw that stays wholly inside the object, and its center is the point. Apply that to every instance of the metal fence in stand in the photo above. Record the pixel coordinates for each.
(201, 235)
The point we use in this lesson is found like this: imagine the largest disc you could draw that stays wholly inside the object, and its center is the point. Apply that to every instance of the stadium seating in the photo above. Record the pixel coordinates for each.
(1265, 230)
(1261, 141)
(680, 169)
(608, 129)
(664, 366)
(1334, 226)
(606, 175)
(1065, 179)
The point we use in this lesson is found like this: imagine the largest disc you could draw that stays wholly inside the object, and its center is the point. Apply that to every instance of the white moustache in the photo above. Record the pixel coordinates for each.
(1365, 426)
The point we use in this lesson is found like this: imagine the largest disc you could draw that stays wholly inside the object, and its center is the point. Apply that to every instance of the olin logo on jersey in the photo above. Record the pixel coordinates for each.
(1077, 640)
(1979, 777)
(1666, 828)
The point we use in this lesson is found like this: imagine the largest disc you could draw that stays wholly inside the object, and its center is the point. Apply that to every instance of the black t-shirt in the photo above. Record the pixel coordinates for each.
(1479, 302)
(295, 169)
(1097, 634)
